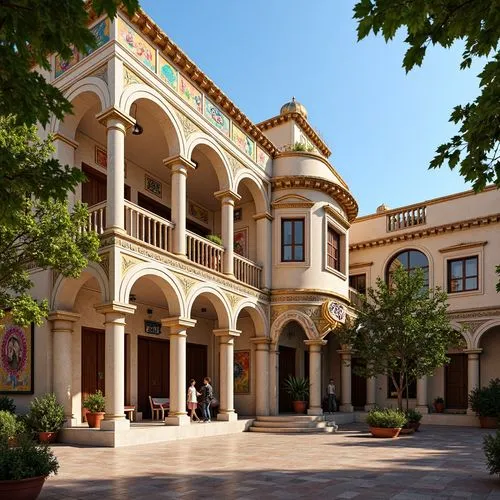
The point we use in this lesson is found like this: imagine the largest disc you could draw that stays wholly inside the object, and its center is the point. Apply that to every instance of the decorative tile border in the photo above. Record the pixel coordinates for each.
(152, 185)
(198, 212)
(135, 44)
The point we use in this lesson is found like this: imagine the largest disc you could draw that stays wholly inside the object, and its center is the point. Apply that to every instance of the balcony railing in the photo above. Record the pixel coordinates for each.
(204, 252)
(406, 218)
(354, 298)
(247, 271)
(97, 218)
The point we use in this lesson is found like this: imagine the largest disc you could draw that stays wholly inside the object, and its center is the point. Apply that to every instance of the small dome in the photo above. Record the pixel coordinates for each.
(382, 208)
(293, 107)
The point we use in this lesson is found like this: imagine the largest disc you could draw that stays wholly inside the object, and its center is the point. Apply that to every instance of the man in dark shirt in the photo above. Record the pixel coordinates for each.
(207, 394)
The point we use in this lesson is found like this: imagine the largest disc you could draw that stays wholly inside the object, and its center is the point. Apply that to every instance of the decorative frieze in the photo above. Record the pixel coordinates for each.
(128, 261)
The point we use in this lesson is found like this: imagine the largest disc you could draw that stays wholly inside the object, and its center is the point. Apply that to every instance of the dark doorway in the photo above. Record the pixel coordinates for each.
(196, 364)
(286, 368)
(358, 385)
(153, 206)
(456, 382)
(94, 189)
(92, 361)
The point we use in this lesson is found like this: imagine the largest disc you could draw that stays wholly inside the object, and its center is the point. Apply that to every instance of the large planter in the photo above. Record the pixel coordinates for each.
(407, 430)
(439, 407)
(94, 419)
(299, 406)
(385, 432)
(414, 425)
(488, 422)
(22, 489)
(47, 437)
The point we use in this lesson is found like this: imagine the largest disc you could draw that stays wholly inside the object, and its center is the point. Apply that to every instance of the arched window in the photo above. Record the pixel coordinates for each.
(409, 260)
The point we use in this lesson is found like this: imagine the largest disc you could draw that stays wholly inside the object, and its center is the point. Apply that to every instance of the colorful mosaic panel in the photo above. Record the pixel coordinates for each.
(101, 33)
(261, 158)
(61, 66)
(242, 141)
(242, 372)
(135, 44)
(198, 212)
(216, 117)
(167, 73)
(190, 94)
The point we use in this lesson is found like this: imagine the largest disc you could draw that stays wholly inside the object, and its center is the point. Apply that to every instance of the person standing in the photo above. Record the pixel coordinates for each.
(207, 394)
(331, 393)
(192, 400)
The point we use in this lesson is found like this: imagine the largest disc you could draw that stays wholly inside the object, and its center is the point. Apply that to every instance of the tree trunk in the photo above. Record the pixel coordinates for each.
(400, 398)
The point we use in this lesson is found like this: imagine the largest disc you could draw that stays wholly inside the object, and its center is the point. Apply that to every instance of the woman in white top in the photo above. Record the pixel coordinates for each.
(192, 400)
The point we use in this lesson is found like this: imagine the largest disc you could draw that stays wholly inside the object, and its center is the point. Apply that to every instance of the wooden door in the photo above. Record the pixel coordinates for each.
(286, 368)
(92, 361)
(456, 382)
(196, 364)
(358, 386)
(152, 372)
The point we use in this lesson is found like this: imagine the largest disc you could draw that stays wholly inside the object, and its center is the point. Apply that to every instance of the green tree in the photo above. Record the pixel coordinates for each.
(36, 228)
(476, 148)
(402, 330)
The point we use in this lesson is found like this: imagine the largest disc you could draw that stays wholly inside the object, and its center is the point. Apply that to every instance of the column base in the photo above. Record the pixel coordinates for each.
(121, 424)
(423, 409)
(346, 408)
(370, 406)
(177, 420)
(315, 410)
(470, 411)
(228, 416)
(70, 422)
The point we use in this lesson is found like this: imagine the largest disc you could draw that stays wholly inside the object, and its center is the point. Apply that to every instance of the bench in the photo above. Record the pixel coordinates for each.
(158, 407)
(130, 412)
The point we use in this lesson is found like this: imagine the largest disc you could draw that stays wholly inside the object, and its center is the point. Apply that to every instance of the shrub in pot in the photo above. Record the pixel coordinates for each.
(438, 404)
(46, 417)
(385, 423)
(7, 404)
(214, 238)
(298, 388)
(24, 468)
(413, 418)
(95, 404)
(491, 448)
(485, 401)
(10, 427)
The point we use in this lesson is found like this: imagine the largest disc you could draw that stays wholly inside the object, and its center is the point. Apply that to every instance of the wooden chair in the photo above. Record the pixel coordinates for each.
(158, 407)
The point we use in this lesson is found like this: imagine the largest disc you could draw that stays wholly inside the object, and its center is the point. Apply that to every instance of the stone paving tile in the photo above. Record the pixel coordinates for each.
(429, 465)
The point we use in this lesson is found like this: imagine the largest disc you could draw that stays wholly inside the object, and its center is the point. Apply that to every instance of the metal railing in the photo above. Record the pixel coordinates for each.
(204, 252)
(247, 271)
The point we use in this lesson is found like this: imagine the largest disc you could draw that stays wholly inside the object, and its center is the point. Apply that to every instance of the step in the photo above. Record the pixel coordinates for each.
(293, 424)
(292, 430)
(291, 418)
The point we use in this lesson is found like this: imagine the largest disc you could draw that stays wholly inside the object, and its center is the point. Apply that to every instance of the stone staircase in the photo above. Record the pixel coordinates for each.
(292, 424)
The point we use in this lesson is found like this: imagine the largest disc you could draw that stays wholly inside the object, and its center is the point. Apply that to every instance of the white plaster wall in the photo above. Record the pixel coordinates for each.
(303, 163)
(281, 135)
(490, 358)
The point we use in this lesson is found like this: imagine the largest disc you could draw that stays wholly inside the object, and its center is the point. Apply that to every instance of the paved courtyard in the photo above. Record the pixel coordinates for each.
(439, 462)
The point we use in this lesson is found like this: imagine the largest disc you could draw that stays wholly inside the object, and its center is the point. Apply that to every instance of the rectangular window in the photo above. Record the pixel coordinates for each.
(358, 282)
(292, 240)
(463, 275)
(333, 249)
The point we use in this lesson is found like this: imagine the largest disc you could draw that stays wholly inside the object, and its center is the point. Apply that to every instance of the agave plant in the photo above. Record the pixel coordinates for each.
(297, 387)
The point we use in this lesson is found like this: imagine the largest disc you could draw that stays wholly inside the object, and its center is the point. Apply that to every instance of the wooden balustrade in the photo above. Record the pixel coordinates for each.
(204, 252)
(407, 217)
(247, 271)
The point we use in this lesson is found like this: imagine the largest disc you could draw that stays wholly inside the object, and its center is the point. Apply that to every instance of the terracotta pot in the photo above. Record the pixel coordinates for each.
(94, 419)
(407, 430)
(415, 425)
(22, 489)
(12, 442)
(47, 437)
(385, 432)
(488, 422)
(299, 406)
(439, 407)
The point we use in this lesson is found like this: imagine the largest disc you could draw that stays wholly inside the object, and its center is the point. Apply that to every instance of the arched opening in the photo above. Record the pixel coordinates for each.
(332, 369)
(489, 342)
(409, 260)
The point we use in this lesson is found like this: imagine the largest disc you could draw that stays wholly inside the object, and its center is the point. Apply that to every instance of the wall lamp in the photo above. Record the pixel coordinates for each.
(137, 129)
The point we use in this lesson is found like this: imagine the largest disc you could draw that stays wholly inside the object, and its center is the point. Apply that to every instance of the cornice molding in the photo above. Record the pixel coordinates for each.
(428, 232)
(359, 265)
(66, 140)
(463, 246)
(335, 215)
(336, 191)
(113, 113)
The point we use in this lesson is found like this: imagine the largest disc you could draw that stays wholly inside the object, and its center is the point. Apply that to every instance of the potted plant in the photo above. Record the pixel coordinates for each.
(9, 427)
(46, 417)
(491, 448)
(214, 238)
(386, 423)
(24, 468)
(485, 401)
(95, 404)
(298, 388)
(438, 404)
(7, 404)
(413, 418)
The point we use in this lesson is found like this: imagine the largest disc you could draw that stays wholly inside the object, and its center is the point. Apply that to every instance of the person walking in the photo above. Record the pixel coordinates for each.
(207, 394)
(331, 393)
(192, 400)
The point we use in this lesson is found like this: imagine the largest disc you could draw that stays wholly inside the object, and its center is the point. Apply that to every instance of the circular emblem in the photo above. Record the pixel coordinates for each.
(14, 350)
(334, 312)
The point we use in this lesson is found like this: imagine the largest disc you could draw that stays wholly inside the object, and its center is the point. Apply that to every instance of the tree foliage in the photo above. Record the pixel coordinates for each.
(36, 228)
(476, 148)
(402, 330)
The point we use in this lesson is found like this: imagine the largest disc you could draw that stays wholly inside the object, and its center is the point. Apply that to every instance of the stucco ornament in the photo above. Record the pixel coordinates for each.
(334, 312)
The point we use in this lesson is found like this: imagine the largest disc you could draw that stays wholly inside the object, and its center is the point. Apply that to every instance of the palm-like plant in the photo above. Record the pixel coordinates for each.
(297, 387)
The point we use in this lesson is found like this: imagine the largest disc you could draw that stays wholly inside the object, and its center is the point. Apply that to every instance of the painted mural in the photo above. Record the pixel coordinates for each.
(242, 141)
(261, 158)
(242, 372)
(216, 117)
(61, 65)
(167, 72)
(190, 94)
(134, 43)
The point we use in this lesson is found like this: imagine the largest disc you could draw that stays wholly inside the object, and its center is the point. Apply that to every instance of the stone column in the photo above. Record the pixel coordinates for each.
(264, 248)
(261, 375)
(179, 167)
(177, 327)
(226, 339)
(422, 405)
(274, 359)
(63, 323)
(371, 393)
(116, 123)
(473, 375)
(345, 375)
(227, 199)
(315, 375)
(114, 352)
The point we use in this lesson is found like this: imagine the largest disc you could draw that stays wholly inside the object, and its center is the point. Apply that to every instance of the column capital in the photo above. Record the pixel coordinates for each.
(177, 324)
(113, 113)
(227, 196)
(66, 140)
(473, 351)
(179, 164)
(345, 352)
(226, 335)
(63, 316)
(263, 215)
(262, 343)
(115, 307)
(315, 342)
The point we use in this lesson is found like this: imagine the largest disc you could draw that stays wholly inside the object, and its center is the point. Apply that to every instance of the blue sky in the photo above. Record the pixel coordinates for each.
(382, 125)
